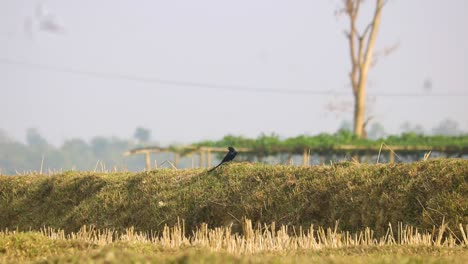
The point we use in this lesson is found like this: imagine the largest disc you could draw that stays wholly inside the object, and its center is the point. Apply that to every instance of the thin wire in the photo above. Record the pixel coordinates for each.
(163, 81)
(235, 88)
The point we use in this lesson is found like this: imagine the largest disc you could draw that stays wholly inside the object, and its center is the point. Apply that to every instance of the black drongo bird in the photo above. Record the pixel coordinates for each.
(229, 156)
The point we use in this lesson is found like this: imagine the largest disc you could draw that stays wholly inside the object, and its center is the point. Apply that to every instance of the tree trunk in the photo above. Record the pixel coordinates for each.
(358, 115)
(360, 106)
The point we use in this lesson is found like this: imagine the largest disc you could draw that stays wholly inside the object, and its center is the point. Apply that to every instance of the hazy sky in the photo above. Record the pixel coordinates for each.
(86, 68)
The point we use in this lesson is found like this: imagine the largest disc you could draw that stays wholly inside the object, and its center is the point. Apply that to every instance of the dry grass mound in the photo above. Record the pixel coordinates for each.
(421, 194)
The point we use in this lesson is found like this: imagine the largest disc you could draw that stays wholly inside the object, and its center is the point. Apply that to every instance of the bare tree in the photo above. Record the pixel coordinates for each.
(361, 45)
(142, 134)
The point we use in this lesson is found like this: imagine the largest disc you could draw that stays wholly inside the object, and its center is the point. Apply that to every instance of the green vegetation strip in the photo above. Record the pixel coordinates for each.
(325, 143)
(422, 194)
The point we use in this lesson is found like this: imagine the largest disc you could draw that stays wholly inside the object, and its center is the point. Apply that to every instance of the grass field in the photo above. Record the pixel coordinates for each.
(241, 213)
(255, 245)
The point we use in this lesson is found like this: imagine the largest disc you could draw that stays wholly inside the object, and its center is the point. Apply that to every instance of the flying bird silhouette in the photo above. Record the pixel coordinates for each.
(229, 157)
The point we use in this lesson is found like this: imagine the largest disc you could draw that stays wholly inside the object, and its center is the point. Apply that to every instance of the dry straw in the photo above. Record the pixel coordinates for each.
(264, 238)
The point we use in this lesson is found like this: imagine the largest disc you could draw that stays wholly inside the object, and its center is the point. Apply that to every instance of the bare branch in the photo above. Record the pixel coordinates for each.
(349, 7)
(356, 7)
(371, 24)
(352, 9)
(361, 52)
(366, 30)
(372, 36)
(389, 50)
(383, 53)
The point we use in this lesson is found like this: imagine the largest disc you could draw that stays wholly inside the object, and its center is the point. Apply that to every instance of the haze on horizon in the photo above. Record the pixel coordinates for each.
(193, 70)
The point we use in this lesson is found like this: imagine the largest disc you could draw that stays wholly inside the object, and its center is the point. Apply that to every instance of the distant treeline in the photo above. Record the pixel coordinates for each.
(74, 154)
(106, 153)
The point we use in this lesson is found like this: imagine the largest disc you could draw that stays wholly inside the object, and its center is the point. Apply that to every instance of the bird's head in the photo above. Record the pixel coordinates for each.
(231, 149)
